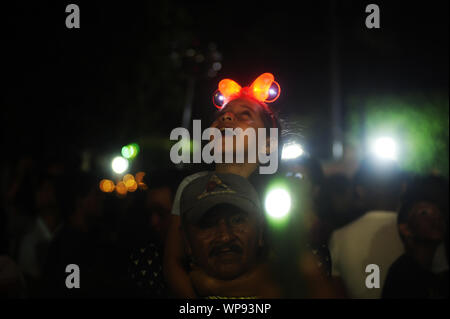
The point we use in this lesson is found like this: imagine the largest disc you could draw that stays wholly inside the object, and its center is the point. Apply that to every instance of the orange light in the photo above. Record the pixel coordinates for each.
(131, 185)
(228, 88)
(121, 188)
(128, 177)
(130, 182)
(260, 87)
(143, 186)
(140, 177)
(106, 186)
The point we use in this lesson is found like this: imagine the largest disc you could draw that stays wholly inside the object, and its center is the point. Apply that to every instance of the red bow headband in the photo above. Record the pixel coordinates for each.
(264, 89)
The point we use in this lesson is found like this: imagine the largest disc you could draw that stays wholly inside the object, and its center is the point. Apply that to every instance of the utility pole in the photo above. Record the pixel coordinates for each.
(335, 86)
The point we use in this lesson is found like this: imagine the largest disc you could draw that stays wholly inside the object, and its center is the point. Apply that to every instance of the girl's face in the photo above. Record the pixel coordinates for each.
(239, 113)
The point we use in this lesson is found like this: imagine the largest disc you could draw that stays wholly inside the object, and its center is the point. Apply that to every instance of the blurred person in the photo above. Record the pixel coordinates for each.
(20, 210)
(240, 111)
(78, 241)
(12, 282)
(339, 190)
(373, 237)
(423, 226)
(33, 247)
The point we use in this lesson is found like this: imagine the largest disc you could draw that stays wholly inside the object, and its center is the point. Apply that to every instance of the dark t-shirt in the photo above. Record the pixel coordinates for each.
(145, 272)
(406, 279)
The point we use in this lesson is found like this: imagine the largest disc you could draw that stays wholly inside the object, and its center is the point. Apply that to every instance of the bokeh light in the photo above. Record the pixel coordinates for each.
(130, 151)
(291, 151)
(131, 185)
(107, 186)
(121, 188)
(278, 203)
(119, 165)
(385, 148)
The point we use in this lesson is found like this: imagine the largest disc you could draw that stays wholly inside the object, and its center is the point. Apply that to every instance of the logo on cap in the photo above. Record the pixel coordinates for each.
(214, 183)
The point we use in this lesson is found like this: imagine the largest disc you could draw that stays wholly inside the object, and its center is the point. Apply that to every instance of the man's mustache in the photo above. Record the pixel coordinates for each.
(228, 247)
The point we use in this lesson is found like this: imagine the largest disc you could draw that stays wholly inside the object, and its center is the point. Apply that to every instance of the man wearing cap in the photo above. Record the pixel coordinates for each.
(222, 225)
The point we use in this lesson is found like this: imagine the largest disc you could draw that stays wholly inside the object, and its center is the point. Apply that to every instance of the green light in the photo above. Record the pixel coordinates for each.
(278, 203)
(135, 149)
(130, 151)
(126, 152)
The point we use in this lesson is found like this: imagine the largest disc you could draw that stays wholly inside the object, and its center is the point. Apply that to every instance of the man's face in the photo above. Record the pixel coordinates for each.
(225, 242)
(427, 222)
(243, 113)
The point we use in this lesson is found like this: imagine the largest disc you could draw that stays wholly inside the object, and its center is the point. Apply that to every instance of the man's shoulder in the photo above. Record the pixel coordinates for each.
(370, 220)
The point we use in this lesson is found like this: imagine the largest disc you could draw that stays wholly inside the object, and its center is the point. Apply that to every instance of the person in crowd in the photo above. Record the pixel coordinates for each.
(12, 281)
(373, 237)
(422, 225)
(222, 226)
(241, 110)
(78, 241)
(148, 225)
(33, 247)
(339, 205)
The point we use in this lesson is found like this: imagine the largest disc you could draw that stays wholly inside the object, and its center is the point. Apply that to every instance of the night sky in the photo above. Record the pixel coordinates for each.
(116, 78)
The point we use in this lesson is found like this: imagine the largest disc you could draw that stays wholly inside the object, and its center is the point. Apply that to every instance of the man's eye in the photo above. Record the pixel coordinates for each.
(237, 219)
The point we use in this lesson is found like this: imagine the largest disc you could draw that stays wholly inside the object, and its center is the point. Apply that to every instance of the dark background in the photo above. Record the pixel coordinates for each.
(123, 75)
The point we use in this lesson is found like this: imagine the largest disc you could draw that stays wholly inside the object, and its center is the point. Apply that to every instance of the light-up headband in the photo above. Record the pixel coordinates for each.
(264, 89)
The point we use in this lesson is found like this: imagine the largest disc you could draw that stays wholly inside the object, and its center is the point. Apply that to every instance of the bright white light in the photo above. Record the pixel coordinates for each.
(272, 92)
(119, 164)
(385, 148)
(291, 151)
(278, 203)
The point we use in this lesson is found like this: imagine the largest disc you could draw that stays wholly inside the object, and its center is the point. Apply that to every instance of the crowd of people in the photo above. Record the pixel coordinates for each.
(207, 235)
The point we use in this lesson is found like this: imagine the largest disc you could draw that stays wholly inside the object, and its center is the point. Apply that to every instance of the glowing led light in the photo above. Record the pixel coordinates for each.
(264, 89)
(278, 203)
(291, 151)
(385, 148)
(119, 165)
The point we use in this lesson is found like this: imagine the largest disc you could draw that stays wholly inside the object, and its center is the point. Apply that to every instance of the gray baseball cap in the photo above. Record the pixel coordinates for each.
(213, 189)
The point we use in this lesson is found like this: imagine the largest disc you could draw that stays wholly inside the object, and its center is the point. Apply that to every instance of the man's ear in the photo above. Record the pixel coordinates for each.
(187, 244)
(404, 230)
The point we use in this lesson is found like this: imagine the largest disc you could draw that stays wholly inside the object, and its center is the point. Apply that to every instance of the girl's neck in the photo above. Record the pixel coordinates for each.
(242, 169)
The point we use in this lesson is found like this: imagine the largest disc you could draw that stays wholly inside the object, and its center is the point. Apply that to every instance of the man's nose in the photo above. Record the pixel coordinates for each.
(224, 232)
